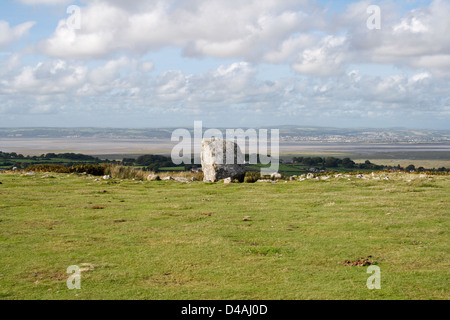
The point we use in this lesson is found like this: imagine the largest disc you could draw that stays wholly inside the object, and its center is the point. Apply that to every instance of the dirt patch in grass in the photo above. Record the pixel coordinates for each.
(362, 262)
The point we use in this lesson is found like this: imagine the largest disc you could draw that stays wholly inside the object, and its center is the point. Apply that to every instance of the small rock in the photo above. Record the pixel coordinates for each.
(167, 178)
(276, 176)
(310, 176)
(387, 178)
(106, 177)
(227, 181)
(153, 177)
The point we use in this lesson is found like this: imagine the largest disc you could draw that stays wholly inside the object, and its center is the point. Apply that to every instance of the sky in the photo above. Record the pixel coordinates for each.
(228, 63)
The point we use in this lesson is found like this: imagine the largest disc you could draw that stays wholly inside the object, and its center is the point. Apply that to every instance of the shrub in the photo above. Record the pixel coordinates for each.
(252, 177)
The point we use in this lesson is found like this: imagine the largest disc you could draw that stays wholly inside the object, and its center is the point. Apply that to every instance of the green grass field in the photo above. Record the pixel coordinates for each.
(167, 240)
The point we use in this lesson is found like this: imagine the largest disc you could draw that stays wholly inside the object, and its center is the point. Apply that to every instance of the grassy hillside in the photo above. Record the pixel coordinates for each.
(168, 240)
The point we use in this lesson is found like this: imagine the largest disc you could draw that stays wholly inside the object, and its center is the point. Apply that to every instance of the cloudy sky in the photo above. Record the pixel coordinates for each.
(229, 63)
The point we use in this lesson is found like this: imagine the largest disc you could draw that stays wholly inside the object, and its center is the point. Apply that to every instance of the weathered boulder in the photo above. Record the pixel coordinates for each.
(153, 177)
(216, 166)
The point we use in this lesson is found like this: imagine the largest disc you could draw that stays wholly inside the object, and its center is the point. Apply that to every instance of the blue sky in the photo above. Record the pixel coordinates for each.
(228, 63)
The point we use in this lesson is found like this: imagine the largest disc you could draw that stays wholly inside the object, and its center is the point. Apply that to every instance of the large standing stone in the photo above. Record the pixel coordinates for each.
(215, 166)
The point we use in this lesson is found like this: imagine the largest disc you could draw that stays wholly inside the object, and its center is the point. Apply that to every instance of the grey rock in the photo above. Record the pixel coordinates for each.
(106, 177)
(215, 166)
(153, 177)
(167, 178)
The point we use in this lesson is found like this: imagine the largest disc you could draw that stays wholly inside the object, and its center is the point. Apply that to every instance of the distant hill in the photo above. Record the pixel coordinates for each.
(287, 134)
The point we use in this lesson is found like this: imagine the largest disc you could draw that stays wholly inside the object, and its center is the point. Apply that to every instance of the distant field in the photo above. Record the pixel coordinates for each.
(167, 240)
(429, 164)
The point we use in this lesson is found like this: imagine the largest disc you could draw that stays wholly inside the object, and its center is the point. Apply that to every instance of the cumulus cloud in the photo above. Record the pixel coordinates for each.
(107, 65)
(221, 28)
(10, 34)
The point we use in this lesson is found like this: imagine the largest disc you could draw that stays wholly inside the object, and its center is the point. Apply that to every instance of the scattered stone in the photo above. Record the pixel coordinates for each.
(310, 176)
(387, 178)
(324, 178)
(167, 178)
(14, 168)
(97, 180)
(31, 173)
(227, 180)
(276, 176)
(215, 166)
(423, 176)
(153, 177)
(293, 178)
(106, 177)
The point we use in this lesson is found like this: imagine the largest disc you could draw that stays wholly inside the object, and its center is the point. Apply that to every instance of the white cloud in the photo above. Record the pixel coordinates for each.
(10, 34)
(221, 28)
(326, 59)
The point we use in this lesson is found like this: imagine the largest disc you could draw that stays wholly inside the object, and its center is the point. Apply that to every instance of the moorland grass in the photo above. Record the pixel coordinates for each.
(171, 240)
